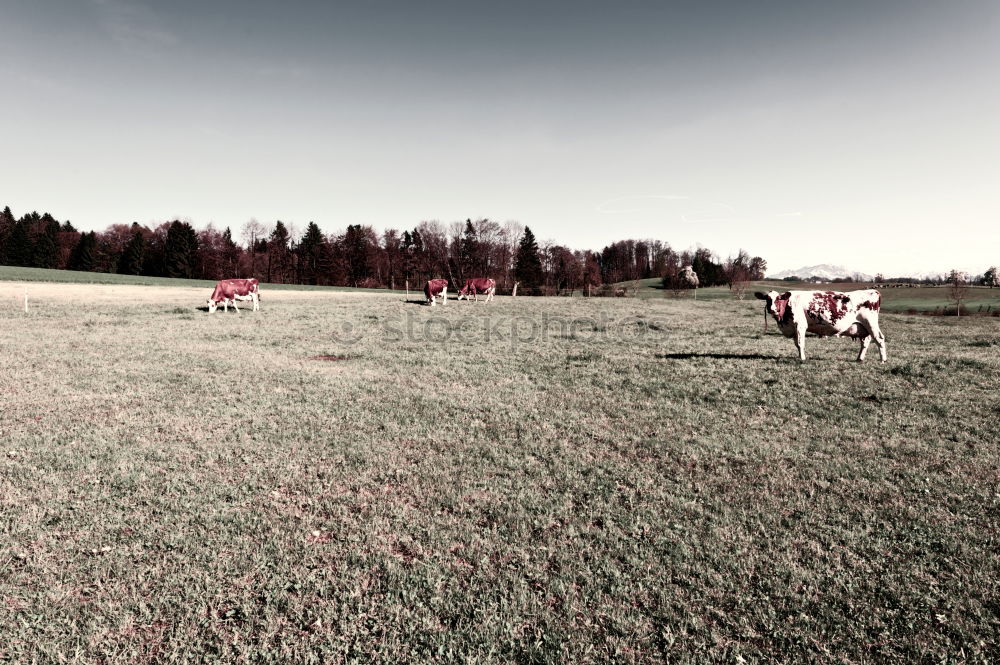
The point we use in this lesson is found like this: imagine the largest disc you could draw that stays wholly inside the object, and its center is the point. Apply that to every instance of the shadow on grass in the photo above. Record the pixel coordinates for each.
(204, 308)
(425, 303)
(717, 356)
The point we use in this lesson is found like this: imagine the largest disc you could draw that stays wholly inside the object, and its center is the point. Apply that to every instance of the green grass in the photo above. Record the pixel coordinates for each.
(901, 299)
(531, 481)
(20, 274)
(919, 299)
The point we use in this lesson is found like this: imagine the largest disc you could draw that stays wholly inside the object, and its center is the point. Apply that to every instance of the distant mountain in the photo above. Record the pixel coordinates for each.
(934, 274)
(824, 271)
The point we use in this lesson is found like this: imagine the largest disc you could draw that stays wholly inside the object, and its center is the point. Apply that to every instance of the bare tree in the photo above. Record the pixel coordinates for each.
(958, 289)
(738, 273)
(739, 280)
(253, 231)
(435, 239)
(509, 238)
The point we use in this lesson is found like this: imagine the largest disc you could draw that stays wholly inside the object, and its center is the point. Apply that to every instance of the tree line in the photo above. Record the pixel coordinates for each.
(357, 256)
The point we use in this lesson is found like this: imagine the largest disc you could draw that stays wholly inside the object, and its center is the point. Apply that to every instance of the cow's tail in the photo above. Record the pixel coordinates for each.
(765, 318)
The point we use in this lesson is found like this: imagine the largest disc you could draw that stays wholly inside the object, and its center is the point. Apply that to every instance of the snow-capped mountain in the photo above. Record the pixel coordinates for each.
(931, 274)
(823, 271)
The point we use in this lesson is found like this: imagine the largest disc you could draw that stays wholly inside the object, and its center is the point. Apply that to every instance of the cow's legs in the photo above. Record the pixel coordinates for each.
(256, 302)
(866, 339)
(879, 339)
(444, 296)
(800, 341)
(490, 293)
(871, 324)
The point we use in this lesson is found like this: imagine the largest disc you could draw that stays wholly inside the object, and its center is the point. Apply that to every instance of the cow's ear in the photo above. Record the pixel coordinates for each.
(759, 296)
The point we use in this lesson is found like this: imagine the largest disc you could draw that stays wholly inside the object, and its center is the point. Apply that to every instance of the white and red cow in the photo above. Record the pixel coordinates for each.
(825, 313)
(230, 290)
(434, 288)
(484, 285)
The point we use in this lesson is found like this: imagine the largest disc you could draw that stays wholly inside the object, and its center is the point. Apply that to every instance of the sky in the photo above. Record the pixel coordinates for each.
(858, 133)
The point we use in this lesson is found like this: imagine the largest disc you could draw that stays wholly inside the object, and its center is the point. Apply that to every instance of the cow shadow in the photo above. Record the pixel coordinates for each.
(714, 356)
(204, 308)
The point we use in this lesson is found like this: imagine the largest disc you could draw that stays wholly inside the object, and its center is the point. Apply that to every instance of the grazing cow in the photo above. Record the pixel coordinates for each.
(230, 290)
(825, 313)
(436, 287)
(483, 285)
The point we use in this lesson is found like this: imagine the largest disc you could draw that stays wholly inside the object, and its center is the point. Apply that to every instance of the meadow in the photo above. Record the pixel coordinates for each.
(350, 478)
(49, 276)
(916, 299)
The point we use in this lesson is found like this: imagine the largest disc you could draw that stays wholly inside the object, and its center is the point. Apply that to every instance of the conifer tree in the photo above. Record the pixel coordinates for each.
(84, 255)
(310, 248)
(134, 254)
(7, 222)
(418, 251)
(528, 264)
(19, 246)
(180, 253)
(278, 256)
(230, 253)
(356, 245)
(46, 248)
(469, 252)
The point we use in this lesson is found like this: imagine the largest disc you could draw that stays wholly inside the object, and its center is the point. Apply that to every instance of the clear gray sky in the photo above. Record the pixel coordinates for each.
(864, 133)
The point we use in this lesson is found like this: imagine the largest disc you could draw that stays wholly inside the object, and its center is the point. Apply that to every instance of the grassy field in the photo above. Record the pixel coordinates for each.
(352, 478)
(921, 299)
(45, 275)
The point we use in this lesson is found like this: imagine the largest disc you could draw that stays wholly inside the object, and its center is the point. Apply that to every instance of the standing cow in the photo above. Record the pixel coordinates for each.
(825, 313)
(484, 285)
(434, 288)
(230, 290)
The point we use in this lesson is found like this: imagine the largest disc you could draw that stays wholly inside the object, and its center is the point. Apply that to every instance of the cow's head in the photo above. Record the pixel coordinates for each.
(212, 306)
(776, 304)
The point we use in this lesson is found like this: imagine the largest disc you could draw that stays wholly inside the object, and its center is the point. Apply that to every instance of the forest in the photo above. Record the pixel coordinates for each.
(359, 255)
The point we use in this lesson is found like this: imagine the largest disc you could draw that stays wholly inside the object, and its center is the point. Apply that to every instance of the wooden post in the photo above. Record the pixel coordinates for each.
(407, 290)
(514, 292)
